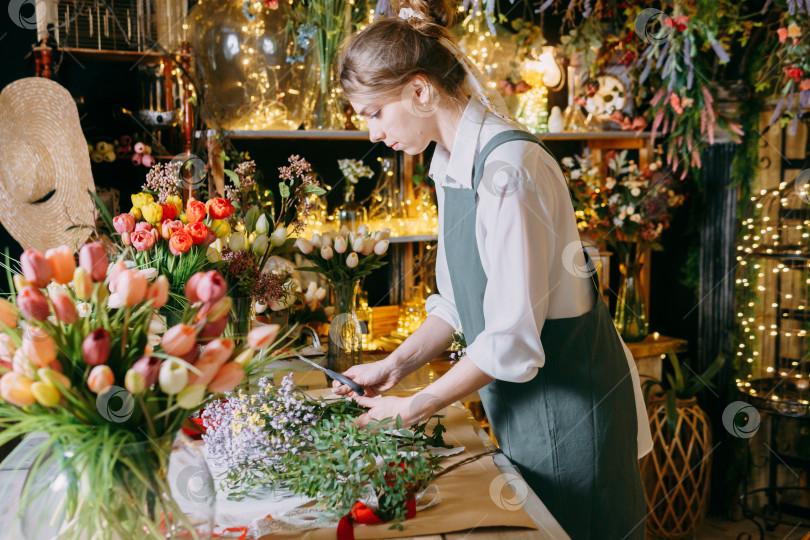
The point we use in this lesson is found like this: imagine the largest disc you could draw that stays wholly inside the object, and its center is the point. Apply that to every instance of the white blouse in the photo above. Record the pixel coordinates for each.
(529, 247)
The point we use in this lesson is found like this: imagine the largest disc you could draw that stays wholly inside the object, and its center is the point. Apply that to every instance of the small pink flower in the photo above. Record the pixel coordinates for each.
(782, 33)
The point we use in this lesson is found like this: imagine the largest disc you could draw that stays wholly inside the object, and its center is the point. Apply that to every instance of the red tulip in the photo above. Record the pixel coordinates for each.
(220, 208)
(93, 258)
(62, 262)
(197, 231)
(211, 286)
(96, 347)
(36, 268)
(64, 308)
(124, 223)
(180, 242)
(195, 211)
(214, 328)
(33, 304)
(169, 211)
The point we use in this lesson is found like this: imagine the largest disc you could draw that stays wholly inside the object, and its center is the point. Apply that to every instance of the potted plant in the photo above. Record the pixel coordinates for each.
(676, 472)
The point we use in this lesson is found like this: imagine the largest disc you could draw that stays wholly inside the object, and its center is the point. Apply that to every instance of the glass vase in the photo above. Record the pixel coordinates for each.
(242, 318)
(631, 310)
(327, 111)
(345, 330)
(153, 489)
(351, 213)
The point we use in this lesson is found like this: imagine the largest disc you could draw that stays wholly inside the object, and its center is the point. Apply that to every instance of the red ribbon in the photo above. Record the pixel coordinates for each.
(243, 530)
(363, 515)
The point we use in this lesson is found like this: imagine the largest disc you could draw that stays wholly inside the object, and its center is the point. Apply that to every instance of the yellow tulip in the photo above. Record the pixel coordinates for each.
(221, 228)
(152, 212)
(139, 200)
(46, 394)
(183, 219)
(176, 201)
(136, 212)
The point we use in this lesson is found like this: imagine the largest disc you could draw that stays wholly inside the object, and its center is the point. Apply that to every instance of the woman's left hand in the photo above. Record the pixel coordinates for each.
(388, 407)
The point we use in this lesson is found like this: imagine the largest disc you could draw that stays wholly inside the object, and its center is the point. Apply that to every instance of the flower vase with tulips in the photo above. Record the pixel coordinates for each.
(344, 258)
(76, 336)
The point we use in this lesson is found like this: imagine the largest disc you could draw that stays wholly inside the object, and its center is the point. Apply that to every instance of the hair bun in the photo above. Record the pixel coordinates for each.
(433, 13)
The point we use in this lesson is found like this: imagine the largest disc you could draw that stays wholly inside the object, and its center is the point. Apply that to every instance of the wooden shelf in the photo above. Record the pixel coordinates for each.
(111, 56)
(363, 135)
(414, 238)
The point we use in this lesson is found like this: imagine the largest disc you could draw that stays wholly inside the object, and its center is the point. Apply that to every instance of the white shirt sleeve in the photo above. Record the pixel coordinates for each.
(516, 223)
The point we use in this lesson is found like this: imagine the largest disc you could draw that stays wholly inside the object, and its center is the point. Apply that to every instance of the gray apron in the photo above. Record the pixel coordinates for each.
(571, 431)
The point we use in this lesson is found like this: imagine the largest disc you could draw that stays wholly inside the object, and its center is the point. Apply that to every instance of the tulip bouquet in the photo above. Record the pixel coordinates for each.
(790, 59)
(79, 361)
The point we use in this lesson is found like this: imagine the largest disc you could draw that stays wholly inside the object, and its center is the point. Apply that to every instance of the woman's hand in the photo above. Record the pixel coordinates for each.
(388, 407)
(375, 378)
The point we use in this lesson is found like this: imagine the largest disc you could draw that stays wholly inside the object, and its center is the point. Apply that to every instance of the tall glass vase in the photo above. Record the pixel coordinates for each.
(345, 331)
(351, 213)
(242, 318)
(631, 310)
(159, 488)
(326, 103)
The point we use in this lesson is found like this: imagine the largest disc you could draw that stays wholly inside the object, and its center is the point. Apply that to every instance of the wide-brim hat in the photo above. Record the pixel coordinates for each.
(44, 166)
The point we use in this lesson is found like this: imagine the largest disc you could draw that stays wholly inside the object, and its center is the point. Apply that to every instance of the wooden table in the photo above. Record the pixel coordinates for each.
(650, 353)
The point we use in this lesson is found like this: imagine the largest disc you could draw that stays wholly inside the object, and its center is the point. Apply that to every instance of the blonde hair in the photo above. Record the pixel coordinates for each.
(380, 60)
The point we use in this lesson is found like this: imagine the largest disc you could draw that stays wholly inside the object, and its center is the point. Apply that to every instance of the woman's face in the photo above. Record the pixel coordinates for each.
(406, 124)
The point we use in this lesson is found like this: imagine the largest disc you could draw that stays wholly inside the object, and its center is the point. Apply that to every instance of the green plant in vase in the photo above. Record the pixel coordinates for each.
(351, 213)
(344, 258)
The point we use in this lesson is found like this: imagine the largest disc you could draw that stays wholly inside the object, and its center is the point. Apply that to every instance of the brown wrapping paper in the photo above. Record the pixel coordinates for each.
(465, 493)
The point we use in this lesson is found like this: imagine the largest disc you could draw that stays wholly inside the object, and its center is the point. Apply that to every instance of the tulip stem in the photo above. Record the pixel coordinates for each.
(126, 329)
(147, 415)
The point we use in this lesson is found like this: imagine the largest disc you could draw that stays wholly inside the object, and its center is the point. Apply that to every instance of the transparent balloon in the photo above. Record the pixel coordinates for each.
(254, 72)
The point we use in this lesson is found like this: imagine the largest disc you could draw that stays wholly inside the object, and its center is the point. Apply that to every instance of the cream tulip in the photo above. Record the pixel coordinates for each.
(304, 246)
(340, 244)
(278, 237)
(352, 260)
(327, 253)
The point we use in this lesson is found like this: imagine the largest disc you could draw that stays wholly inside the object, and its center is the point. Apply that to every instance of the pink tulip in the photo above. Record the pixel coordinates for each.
(39, 347)
(142, 240)
(125, 239)
(96, 347)
(16, 389)
(212, 357)
(214, 328)
(191, 288)
(36, 268)
(100, 378)
(63, 263)
(115, 271)
(131, 287)
(178, 340)
(211, 286)
(93, 258)
(124, 223)
(262, 336)
(8, 314)
(21, 364)
(33, 304)
(65, 309)
(228, 377)
(143, 226)
(158, 292)
(142, 375)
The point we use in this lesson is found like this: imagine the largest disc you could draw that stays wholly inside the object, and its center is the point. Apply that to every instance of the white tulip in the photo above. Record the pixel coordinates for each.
(381, 247)
(320, 294)
(352, 260)
(259, 307)
(332, 233)
(326, 241)
(344, 230)
(212, 254)
(385, 234)
(114, 301)
(259, 246)
(304, 246)
(340, 244)
(368, 246)
(357, 245)
(149, 273)
(279, 236)
(362, 230)
(237, 241)
(327, 253)
(54, 290)
(262, 226)
(173, 376)
(316, 240)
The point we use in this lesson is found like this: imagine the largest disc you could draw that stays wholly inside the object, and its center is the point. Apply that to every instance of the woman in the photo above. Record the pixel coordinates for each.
(558, 385)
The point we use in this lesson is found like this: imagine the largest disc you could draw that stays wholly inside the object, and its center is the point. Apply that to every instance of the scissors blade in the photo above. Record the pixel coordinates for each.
(337, 376)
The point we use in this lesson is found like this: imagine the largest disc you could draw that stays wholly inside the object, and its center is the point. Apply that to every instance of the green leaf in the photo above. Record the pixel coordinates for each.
(284, 190)
(251, 218)
(312, 188)
(233, 177)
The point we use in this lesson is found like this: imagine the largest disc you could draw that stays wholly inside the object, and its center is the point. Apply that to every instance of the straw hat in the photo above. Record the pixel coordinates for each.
(44, 166)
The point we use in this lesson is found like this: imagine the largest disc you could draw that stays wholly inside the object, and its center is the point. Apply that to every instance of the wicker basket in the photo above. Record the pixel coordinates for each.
(676, 472)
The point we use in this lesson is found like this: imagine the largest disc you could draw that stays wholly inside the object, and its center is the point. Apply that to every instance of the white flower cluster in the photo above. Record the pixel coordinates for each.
(354, 169)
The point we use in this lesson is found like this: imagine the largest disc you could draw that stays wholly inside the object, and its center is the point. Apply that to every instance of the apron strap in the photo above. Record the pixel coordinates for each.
(520, 135)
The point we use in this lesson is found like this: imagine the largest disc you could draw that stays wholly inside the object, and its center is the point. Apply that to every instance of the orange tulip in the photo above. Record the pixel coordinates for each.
(65, 309)
(197, 231)
(39, 347)
(180, 242)
(16, 389)
(195, 211)
(220, 208)
(228, 377)
(178, 340)
(158, 292)
(62, 262)
(262, 336)
(8, 314)
(131, 287)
